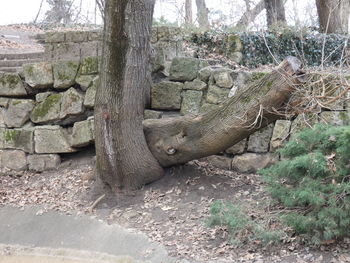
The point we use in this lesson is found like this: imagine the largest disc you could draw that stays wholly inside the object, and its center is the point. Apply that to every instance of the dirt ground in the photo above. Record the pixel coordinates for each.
(172, 211)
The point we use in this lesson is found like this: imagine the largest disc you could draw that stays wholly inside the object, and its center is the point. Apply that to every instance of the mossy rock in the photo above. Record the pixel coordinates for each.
(38, 75)
(11, 85)
(64, 73)
(18, 112)
(89, 66)
(48, 110)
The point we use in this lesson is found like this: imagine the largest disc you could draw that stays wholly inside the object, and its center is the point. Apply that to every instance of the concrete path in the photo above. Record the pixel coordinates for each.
(55, 230)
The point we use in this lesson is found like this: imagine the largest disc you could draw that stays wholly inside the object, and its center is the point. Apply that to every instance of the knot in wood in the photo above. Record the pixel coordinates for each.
(171, 151)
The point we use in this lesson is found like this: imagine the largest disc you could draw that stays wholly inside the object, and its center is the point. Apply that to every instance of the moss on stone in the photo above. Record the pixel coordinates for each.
(89, 65)
(10, 80)
(16, 102)
(11, 135)
(43, 108)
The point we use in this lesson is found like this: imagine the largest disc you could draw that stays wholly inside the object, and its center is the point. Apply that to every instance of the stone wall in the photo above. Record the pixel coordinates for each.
(47, 110)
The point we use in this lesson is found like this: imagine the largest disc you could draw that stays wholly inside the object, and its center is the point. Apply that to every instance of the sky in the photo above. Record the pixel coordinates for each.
(24, 11)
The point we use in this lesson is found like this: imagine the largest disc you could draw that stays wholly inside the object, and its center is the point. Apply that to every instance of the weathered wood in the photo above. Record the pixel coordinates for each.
(179, 140)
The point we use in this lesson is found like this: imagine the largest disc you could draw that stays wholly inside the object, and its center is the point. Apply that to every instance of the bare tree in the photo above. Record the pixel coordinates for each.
(60, 12)
(188, 12)
(202, 14)
(101, 7)
(250, 14)
(333, 15)
(275, 12)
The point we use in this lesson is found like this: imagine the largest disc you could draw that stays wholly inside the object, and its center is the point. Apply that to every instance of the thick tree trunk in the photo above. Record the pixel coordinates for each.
(333, 15)
(250, 15)
(202, 14)
(275, 12)
(123, 157)
(188, 12)
(178, 140)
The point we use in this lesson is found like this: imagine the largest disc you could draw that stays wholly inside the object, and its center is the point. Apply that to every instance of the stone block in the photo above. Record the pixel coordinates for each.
(301, 122)
(82, 134)
(222, 78)
(89, 100)
(89, 49)
(13, 160)
(238, 148)
(76, 36)
(43, 162)
(52, 139)
(65, 51)
(40, 97)
(18, 112)
(196, 84)
(152, 114)
(71, 104)
(216, 95)
(4, 102)
(54, 37)
(95, 36)
(47, 111)
(19, 139)
(252, 162)
(38, 75)
(88, 66)
(85, 81)
(205, 107)
(191, 102)
(184, 69)
(336, 118)
(64, 73)
(166, 95)
(11, 85)
(259, 141)
(280, 134)
(221, 162)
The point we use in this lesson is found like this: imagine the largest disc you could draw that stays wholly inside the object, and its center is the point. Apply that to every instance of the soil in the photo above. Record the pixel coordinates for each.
(172, 211)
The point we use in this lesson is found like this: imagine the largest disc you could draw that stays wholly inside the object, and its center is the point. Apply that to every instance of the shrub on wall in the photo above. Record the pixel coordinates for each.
(313, 183)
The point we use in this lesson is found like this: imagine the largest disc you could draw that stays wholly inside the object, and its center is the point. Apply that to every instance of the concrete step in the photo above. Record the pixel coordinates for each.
(10, 69)
(17, 62)
(29, 55)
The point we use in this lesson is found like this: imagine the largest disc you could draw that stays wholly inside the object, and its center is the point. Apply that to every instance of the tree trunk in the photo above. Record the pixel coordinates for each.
(202, 14)
(123, 157)
(179, 140)
(250, 15)
(275, 12)
(333, 15)
(188, 12)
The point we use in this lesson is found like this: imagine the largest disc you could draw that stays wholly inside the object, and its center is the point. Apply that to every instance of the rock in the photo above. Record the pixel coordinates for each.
(152, 114)
(13, 159)
(241, 78)
(2, 121)
(89, 100)
(184, 69)
(280, 134)
(38, 75)
(301, 122)
(19, 139)
(166, 95)
(11, 85)
(40, 97)
(43, 162)
(82, 134)
(88, 66)
(64, 73)
(92, 125)
(218, 161)
(71, 104)
(85, 81)
(191, 102)
(252, 162)
(222, 78)
(205, 107)
(205, 73)
(197, 84)
(216, 94)
(233, 91)
(337, 118)
(259, 141)
(4, 102)
(51, 139)
(18, 112)
(48, 110)
(238, 148)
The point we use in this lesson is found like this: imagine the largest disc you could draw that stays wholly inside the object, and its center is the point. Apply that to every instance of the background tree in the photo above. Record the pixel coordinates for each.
(60, 12)
(275, 12)
(250, 14)
(188, 12)
(333, 15)
(202, 14)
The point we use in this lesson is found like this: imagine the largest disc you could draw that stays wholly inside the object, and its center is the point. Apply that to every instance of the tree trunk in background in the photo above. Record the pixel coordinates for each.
(179, 140)
(275, 12)
(188, 12)
(333, 15)
(250, 15)
(123, 157)
(202, 14)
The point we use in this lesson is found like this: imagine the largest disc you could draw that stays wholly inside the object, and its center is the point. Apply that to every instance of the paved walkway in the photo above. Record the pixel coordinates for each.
(54, 230)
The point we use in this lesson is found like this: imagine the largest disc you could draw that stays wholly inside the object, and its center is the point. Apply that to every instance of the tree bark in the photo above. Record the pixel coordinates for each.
(333, 15)
(202, 14)
(123, 157)
(179, 140)
(250, 15)
(188, 12)
(275, 12)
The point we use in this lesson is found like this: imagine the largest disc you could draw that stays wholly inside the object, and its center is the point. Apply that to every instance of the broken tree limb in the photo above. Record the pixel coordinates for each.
(179, 140)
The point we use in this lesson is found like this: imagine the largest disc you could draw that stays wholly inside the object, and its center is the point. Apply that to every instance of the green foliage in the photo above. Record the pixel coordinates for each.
(240, 226)
(260, 48)
(313, 182)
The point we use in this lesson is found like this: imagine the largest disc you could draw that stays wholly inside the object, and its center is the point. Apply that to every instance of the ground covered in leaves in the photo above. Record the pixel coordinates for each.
(172, 211)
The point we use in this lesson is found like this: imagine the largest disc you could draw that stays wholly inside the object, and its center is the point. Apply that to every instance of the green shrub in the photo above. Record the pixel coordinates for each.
(313, 183)
(240, 226)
